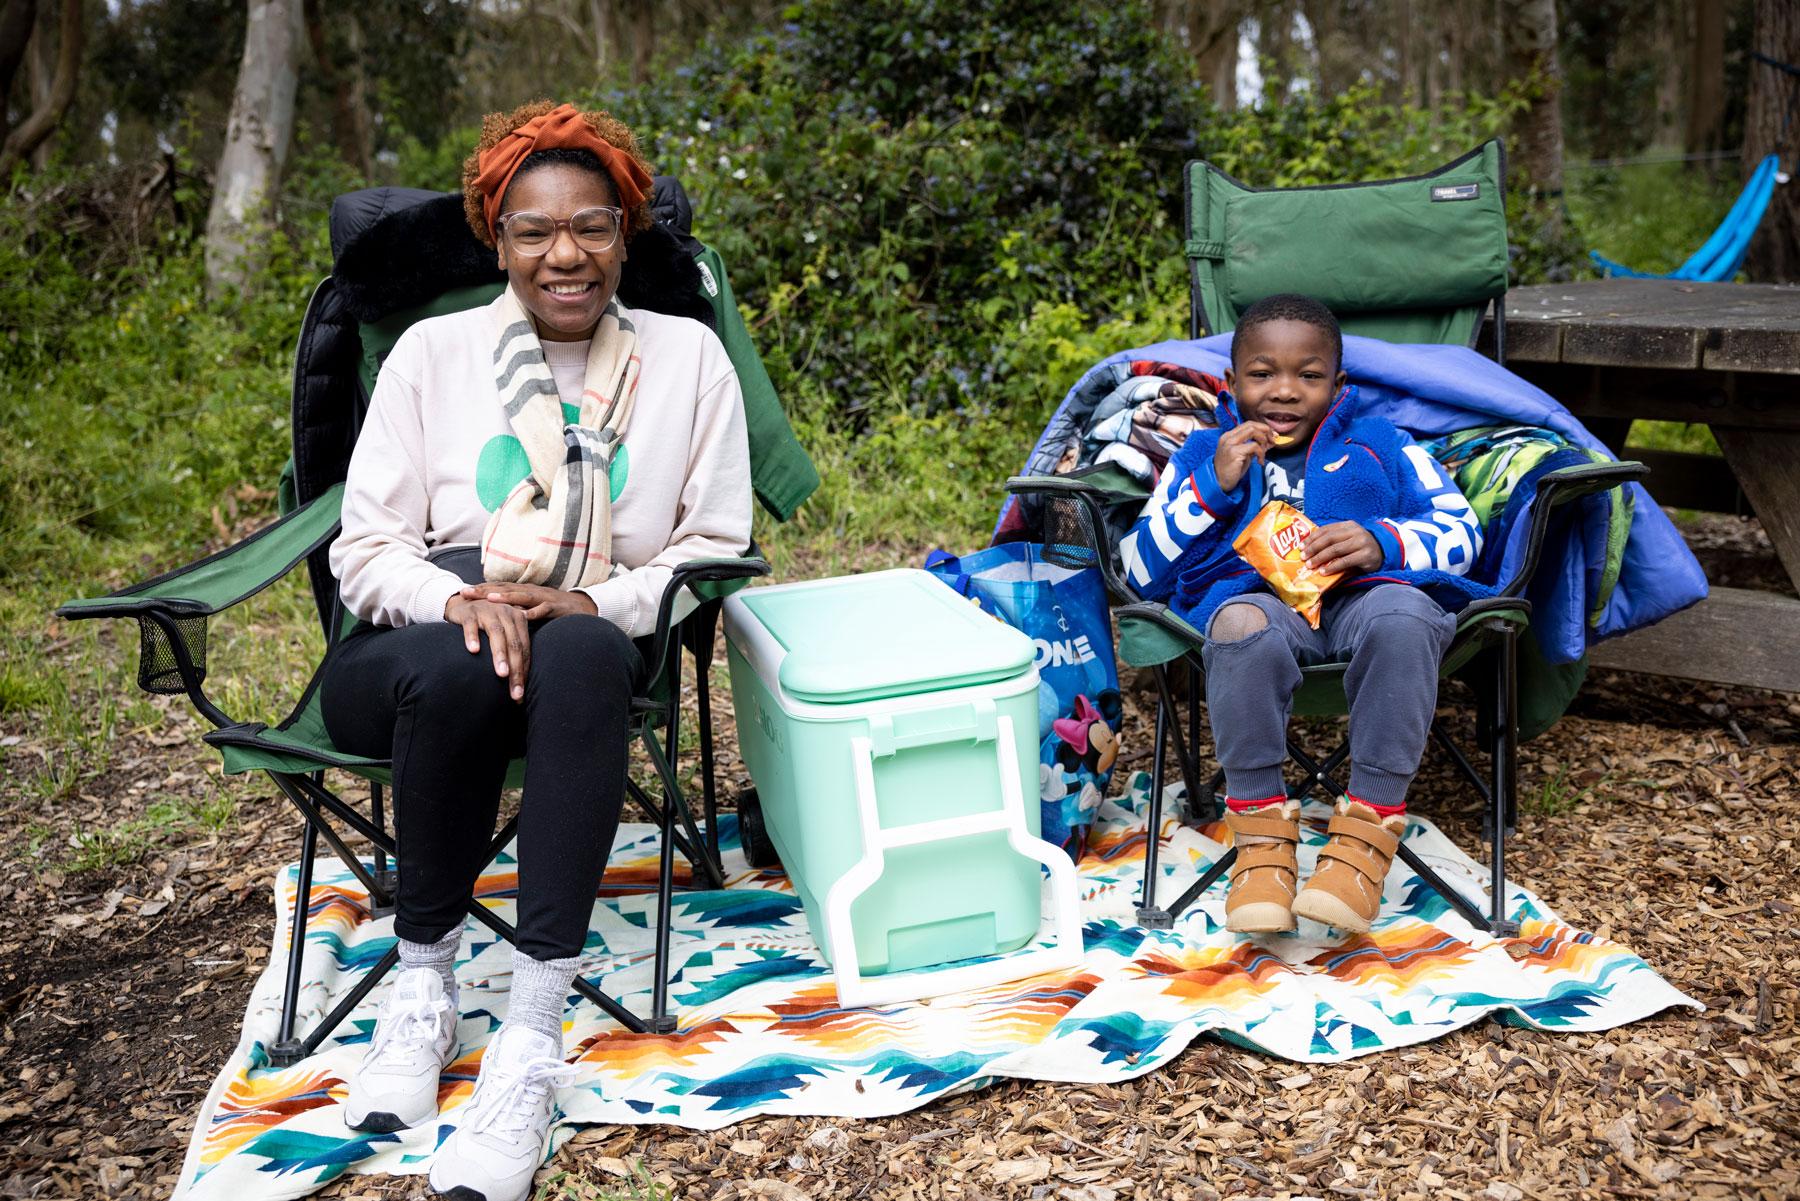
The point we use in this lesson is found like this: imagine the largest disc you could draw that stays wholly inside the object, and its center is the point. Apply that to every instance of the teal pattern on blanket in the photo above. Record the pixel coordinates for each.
(761, 1031)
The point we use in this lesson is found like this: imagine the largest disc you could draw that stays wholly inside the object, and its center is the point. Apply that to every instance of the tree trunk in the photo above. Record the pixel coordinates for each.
(602, 33)
(40, 73)
(1328, 52)
(1774, 102)
(360, 111)
(1212, 37)
(50, 100)
(256, 139)
(642, 16)
(1669, 48)
(17, 18)
(1275, 44)
(1530, 39)
(1706, 78)
(350, 124)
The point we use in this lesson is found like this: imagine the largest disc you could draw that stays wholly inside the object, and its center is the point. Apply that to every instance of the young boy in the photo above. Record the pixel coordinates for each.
(1391, 521)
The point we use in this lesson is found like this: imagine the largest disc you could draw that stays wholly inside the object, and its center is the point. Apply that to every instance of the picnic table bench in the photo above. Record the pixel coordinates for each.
(1723, 355)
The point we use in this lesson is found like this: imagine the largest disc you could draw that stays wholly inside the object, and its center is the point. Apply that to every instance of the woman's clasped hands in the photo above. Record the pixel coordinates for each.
(505, 613)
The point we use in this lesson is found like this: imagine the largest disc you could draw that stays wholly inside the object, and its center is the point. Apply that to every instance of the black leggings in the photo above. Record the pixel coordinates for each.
(416, 694)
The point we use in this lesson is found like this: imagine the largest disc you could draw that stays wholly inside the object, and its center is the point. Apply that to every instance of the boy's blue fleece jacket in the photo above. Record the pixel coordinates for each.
(1429, 391)
(1359, 468)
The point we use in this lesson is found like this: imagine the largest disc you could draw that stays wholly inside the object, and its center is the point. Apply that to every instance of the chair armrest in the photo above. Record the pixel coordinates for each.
(1150, 634)
(1094, 548)
(694, 571)
(219, 581)
(1556, 489)
(1066, 485)
(1489, 608)
(171, 609)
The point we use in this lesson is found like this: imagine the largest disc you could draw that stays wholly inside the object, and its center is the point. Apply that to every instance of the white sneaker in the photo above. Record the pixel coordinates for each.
(501, 1132)
(396, 1084)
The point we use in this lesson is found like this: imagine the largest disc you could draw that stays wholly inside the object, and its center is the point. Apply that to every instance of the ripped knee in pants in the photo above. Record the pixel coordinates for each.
(1234, 623)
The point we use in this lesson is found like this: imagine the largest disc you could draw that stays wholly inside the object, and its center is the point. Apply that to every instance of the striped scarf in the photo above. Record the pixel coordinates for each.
(555, 527)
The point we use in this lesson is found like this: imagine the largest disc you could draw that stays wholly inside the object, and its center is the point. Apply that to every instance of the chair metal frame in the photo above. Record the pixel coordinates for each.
(1487, 638)
(655, 720)
(1486, 629)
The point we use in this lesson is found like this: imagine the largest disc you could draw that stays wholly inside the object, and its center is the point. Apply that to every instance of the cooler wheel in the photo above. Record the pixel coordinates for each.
(753, 834)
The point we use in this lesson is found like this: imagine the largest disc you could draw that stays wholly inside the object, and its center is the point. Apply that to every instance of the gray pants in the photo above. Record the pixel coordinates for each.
(1392, 636)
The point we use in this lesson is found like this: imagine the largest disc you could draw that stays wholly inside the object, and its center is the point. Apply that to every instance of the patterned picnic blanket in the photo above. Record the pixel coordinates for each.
(762, 1033)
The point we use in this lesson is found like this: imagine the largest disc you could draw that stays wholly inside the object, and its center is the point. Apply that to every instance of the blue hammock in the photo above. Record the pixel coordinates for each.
(1723, 254)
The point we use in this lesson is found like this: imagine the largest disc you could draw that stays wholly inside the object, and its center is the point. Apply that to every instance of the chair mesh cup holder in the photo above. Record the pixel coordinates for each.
(1068, 537)
(163, 643)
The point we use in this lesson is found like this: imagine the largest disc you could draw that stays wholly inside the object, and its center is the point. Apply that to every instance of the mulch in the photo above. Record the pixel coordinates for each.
(1660, 814)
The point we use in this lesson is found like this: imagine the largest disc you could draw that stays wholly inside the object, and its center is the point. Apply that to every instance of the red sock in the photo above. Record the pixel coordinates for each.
(1236, 805)
(1380, 810)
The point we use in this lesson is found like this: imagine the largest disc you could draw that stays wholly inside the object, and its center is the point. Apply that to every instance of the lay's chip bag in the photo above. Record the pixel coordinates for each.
(1273, 543)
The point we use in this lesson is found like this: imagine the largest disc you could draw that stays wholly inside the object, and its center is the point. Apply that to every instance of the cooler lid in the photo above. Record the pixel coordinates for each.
(888, 633)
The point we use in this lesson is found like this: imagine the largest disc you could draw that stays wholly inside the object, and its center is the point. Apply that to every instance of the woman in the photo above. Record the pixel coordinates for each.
(528, 476)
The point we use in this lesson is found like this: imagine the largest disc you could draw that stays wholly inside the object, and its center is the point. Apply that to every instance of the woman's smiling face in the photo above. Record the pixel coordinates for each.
(566, 288)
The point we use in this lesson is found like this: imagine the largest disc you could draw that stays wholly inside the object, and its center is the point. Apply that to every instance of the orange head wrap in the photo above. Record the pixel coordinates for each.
(563, 127)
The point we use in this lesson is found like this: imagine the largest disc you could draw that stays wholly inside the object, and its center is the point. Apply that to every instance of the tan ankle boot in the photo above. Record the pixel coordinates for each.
(1345, 889)
(1266, 873)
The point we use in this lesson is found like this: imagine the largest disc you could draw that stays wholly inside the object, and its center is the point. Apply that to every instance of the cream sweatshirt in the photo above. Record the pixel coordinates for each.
(437, 455)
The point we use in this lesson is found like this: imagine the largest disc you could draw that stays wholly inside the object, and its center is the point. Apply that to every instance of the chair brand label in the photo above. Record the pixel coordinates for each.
(1461, 191)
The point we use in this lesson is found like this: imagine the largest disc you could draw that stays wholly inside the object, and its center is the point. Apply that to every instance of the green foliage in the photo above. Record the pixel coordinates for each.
(1354, 135)
(902, 192)
(1564, 792)
(134, 404)
(937, 216)
(1651, 216)
(569, 1186)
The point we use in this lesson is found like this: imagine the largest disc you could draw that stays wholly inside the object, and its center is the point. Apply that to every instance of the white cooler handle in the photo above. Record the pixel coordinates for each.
(853, 987)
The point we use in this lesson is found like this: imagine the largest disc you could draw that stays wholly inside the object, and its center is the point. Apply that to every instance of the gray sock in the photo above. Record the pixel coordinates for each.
(439, 956)
(540, 989)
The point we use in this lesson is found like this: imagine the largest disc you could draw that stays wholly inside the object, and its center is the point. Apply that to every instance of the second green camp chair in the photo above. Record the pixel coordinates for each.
(1420, 259)
(401, 255)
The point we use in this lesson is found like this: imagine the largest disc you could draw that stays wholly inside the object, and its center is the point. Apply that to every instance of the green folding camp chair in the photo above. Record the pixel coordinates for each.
(401, 255)
(1420, 259)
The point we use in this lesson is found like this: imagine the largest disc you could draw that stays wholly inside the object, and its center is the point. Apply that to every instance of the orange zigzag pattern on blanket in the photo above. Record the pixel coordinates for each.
(1397, 957)
(814, 1017)
(623, 1053)
(1027, 1015)
(330, 910)
(458, 1080)
(1214, 976)
(1552, 946)
(253, 1105)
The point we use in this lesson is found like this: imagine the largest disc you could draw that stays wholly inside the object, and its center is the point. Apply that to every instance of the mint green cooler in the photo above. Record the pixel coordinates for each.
(891, 729)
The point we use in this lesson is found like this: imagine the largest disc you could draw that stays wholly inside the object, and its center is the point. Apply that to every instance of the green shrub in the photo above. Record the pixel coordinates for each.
(134, 404)
(1651, 216)
(936, 215)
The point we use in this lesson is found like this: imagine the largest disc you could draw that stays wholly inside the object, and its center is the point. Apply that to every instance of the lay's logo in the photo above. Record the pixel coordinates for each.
(1287, 540)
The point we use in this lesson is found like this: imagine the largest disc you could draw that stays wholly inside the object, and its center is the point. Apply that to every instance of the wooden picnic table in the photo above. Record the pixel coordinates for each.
(1723, 355)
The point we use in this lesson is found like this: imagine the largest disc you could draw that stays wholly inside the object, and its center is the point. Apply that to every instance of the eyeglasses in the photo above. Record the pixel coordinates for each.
(532, 234)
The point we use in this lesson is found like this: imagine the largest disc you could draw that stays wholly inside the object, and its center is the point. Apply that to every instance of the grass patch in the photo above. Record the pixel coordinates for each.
(1651, 216)
(22, 689)
(1673, 435)
(639, 1186)
(131, 840)
(1563, 792)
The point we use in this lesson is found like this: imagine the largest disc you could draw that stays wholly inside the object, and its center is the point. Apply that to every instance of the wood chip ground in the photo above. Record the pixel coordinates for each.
(1662, 815)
